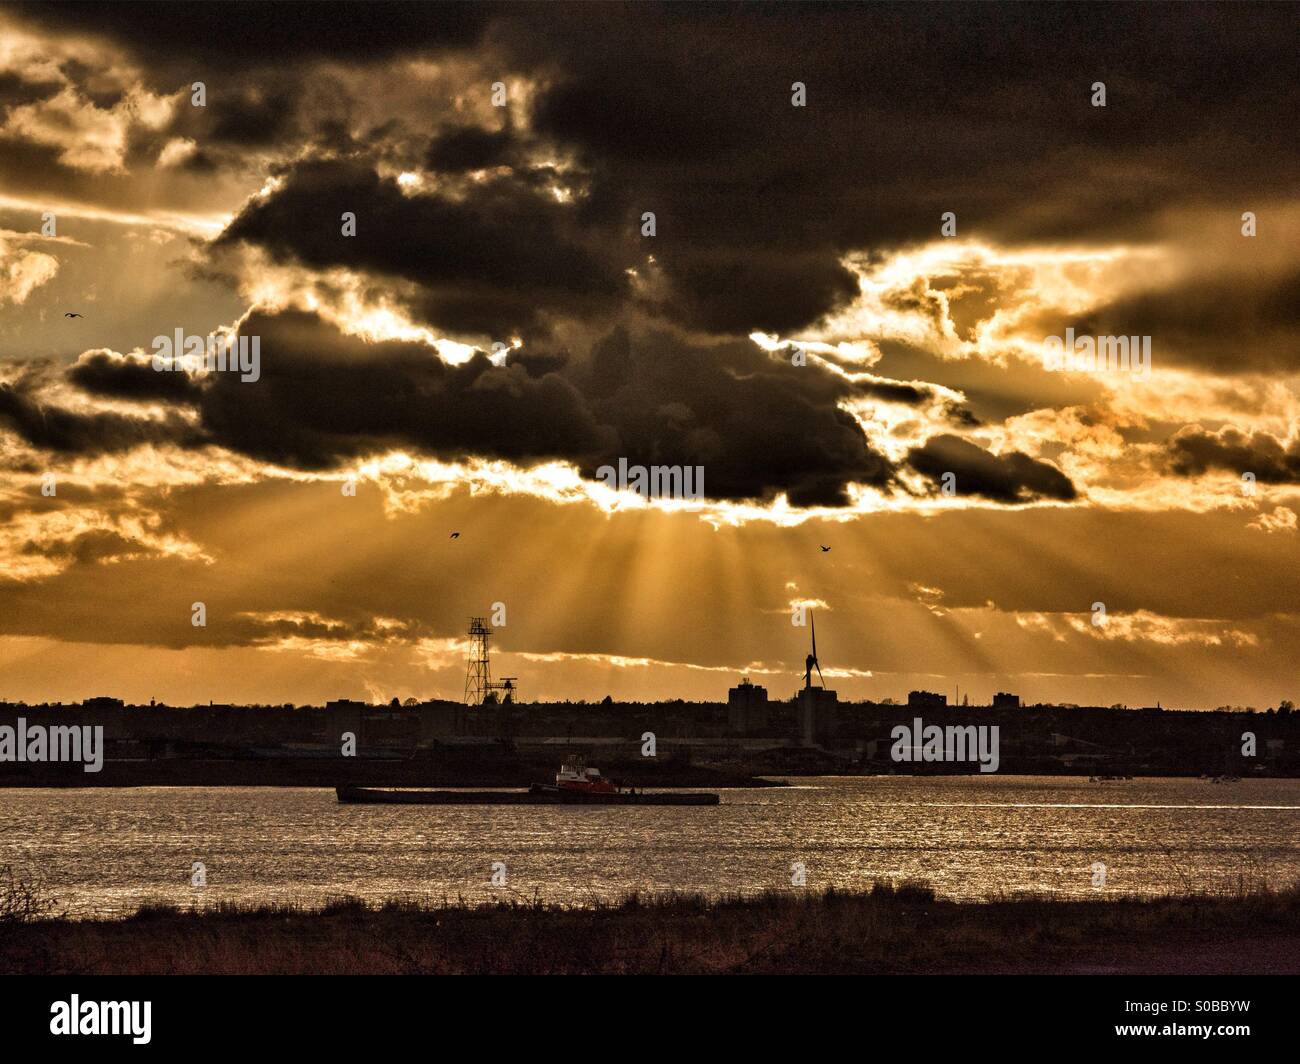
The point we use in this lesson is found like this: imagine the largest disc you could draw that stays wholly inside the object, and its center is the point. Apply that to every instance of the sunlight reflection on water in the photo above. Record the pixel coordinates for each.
(108, 850)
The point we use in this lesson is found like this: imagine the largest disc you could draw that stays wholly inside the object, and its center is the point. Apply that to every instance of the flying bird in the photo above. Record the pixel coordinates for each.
(69, 314)
(825, 549)
(455, 535)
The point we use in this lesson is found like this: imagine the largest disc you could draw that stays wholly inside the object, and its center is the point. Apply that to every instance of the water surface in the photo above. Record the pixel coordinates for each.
(107, 850)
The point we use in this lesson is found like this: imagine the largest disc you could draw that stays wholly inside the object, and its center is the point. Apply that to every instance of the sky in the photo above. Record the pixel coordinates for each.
(818, 253)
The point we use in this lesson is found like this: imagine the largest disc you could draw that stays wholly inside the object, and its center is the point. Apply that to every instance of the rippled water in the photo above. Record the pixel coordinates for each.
(109, 850)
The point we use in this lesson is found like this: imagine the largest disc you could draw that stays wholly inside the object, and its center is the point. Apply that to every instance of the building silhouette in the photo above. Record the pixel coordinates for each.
(815, 706)
(748, 710)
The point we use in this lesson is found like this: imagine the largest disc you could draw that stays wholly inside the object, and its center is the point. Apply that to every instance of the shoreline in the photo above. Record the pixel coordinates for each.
(890, 929)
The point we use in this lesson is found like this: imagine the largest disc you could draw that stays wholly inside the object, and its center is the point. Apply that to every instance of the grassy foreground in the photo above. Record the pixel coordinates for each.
(890, 929)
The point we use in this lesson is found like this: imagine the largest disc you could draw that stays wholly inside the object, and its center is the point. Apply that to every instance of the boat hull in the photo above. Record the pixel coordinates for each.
(534, 796)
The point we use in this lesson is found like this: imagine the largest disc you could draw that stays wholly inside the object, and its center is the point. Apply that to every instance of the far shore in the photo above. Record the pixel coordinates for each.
(890, 929)
(411, 772)
(332, 772)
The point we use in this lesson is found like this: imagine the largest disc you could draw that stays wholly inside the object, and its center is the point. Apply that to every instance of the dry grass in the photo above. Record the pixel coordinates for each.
(893, 928)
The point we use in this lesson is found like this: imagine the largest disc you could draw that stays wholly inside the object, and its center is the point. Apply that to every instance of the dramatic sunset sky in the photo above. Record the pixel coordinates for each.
(778, 229)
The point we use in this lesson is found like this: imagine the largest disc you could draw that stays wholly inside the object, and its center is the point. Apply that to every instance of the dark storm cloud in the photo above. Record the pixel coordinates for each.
(1228, 324)
(1194, 452)
(911, 112)
(252, 119)
(470, 148)
(324, 397)
(757, 424)
(57, 429)
(124, 377)
(1007, 478)
(264, 112)
(491, 260)
(538, 363)
(238, 36)
(725, 290)
(685, 111)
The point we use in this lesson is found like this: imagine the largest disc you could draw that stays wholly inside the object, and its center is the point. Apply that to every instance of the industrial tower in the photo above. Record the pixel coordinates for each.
(478, 674)
(479, 688)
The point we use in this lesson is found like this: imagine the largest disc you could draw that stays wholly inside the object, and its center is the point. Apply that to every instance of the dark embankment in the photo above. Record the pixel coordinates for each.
(899, 930)
(362, 772)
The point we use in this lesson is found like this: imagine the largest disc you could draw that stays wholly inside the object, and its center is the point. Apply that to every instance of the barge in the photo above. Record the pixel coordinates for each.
(535, 795)
(575, 784)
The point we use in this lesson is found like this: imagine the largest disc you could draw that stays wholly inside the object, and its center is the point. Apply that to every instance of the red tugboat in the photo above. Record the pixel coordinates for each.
(577, 784)
(575, 777)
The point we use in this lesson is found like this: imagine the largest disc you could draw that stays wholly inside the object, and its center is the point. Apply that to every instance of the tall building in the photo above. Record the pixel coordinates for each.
(747, 708)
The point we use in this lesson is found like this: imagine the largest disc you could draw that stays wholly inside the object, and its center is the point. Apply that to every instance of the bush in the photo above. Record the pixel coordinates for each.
(910, 890)
(25, 897)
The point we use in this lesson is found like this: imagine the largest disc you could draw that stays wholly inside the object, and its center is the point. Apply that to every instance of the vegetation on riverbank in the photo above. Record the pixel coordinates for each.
(898, 929)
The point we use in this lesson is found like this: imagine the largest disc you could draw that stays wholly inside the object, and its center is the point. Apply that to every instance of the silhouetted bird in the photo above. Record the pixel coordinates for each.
(825, 549)
(455, 535)
(69, 314)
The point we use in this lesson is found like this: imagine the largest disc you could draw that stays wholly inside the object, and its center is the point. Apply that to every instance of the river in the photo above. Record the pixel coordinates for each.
(105, 851)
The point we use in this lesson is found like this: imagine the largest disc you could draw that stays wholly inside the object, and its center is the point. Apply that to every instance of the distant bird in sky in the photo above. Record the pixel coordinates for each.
(825, 549)
(69, 314)
(455, 535)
